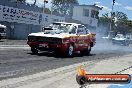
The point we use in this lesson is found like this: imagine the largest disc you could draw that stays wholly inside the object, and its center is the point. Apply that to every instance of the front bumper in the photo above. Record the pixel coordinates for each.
(49, 47)
(2, 35)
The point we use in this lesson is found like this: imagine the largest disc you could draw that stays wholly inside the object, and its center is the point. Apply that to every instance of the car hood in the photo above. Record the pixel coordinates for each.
(61, 35)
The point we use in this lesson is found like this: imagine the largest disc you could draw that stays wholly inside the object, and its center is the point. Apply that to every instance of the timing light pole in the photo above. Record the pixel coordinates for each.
(111, 19)
(52, 7)
(45, 1)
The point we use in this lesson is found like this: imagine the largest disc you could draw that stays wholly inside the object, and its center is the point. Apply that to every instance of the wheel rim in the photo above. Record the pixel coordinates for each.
(70, 50)
(89, 48)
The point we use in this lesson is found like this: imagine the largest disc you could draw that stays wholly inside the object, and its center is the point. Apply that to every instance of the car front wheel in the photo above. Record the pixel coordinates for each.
(0, 37)
(70, 49)
(87, 51)
(34, 50)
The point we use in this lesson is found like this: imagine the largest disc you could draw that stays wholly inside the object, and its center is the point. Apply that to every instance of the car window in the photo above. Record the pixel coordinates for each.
(80, 30)
(73, 30)
(84, 30)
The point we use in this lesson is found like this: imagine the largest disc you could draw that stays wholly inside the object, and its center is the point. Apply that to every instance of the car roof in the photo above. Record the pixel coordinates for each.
(76, 24)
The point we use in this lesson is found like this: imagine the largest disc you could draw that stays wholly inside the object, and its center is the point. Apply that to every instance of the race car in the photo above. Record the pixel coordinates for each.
(63, 38)
(120, 39)
(129, 37)
(2, 31)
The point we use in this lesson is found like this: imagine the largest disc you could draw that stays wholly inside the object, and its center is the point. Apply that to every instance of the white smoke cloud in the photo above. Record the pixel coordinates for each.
(128, 8)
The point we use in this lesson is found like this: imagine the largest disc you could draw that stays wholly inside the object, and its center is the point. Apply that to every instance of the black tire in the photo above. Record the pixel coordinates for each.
(57, 52)
(0, 37)
(87, 51)
(69, 52)
(34, 50)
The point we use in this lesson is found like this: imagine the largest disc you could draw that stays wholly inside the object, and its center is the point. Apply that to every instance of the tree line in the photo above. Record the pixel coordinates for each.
(118, 21)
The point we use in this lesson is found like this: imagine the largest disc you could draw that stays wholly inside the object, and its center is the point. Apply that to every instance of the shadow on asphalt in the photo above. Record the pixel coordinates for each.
(52, 54)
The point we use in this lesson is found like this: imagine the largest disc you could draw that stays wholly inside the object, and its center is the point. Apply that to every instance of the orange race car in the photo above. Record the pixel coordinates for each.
(62, 37)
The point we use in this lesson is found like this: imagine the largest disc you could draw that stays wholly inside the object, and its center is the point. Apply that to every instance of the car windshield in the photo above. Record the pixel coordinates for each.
(60, 28)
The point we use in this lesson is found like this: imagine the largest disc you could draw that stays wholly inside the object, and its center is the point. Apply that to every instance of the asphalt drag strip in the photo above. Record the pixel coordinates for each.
(65, 77)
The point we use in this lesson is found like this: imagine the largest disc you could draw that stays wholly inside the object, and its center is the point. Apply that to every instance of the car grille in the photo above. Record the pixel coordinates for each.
(49, 40)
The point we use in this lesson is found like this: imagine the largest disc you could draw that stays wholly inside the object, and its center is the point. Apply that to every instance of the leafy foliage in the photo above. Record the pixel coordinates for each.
(47, 11)
(119, 22)
(124, 26)
(121, 16)
(21, 0)
(63, 7)
(105, 20)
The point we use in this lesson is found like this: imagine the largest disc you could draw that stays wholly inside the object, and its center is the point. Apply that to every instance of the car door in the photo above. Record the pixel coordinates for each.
(85, 37)
(81, 34)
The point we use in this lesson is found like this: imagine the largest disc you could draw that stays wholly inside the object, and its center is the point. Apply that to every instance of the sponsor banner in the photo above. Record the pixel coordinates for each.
(83, 78)
(108, 78)
(11, 14)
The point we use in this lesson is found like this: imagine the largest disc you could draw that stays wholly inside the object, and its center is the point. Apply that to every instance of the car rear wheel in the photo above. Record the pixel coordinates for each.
(87, 51)
(0, 37)
(34, 50)
(70, 49)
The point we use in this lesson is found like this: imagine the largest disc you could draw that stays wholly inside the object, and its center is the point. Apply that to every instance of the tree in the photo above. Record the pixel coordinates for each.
(124, 26)
(63, 7)
(21, 0)
(104, 23)
(47, 11)
(120, 15)
(105, 19)
(119, 22)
